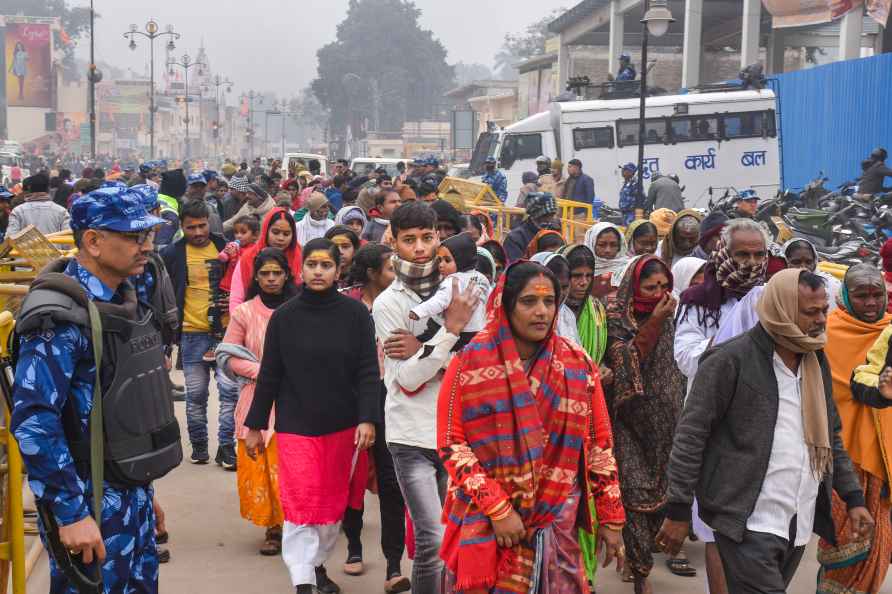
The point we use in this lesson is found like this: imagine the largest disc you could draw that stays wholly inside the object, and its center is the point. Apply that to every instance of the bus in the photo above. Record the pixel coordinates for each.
(713, 141)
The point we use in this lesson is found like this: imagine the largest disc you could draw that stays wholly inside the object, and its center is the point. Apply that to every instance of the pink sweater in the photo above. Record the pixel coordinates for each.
(247, 327)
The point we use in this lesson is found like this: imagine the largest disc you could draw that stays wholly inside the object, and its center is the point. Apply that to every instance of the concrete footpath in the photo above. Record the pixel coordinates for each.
(214, 551)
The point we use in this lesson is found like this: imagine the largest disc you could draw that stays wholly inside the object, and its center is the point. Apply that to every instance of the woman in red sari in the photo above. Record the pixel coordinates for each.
(520, 413)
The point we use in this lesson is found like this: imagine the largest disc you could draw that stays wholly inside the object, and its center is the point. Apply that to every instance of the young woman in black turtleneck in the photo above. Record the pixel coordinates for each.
(320, 369)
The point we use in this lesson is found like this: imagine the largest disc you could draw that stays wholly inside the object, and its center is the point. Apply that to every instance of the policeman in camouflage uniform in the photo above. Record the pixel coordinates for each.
(496, 179)
(53, 398)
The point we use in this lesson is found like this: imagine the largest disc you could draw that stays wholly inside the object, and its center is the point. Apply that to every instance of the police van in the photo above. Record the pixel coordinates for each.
(712, 141)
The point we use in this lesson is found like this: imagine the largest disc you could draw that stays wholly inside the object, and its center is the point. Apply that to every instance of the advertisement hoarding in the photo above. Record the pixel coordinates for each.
(797, 13)
(123, 97)
(28, 64)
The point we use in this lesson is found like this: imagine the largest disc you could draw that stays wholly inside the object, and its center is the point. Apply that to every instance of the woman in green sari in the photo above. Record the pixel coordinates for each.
(591, 322)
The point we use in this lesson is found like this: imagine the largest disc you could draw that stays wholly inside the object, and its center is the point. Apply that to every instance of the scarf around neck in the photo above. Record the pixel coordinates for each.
(423, 279)
(778, 308)
(723, 279)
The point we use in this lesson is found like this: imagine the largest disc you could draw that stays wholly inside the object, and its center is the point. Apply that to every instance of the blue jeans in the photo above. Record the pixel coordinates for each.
(193, 346)
(422, 480)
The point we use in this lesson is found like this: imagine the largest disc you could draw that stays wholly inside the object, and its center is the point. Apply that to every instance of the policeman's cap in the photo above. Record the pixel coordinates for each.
(196, 178)
(112, 209)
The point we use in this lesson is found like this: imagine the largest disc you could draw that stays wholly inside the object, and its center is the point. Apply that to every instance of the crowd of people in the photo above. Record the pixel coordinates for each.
(526, 410)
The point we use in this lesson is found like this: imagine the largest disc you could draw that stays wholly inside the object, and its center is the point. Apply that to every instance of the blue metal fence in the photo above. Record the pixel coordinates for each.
(831, 117)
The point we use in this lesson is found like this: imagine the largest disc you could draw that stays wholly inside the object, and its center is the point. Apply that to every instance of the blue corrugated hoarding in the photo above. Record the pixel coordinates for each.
(831, 117)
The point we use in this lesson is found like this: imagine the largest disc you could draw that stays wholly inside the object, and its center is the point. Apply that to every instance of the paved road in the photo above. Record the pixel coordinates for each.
(215, 551)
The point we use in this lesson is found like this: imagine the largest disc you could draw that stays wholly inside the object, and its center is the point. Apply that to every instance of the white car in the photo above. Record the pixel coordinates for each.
(7, 162)
(11, 146)
(365, 165)
(292, 158)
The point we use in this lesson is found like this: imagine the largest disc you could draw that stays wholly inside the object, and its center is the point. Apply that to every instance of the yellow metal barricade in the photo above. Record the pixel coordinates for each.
(576, 217)
(837, 270)
(12, 547)
(571, 210)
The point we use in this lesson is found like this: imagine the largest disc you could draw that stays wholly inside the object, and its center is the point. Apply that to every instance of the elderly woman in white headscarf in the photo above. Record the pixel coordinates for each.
(608, 244)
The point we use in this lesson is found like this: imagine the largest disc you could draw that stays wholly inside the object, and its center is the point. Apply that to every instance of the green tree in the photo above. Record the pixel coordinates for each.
(518, 47)
(75, 22)
(383, 68)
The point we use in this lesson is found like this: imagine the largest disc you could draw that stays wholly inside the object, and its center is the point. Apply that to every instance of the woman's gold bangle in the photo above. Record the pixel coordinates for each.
(614, 527)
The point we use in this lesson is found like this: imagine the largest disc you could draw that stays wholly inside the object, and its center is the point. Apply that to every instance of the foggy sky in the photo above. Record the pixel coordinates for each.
(271, 44)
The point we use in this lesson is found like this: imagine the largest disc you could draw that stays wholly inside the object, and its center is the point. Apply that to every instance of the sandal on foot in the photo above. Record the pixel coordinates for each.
(681, 566)
(271, 546)
(397, 583)
(627, 576)
(353, 565)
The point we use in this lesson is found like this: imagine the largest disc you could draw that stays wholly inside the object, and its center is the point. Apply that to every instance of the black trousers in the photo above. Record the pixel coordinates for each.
(392, 507)
(761, 563)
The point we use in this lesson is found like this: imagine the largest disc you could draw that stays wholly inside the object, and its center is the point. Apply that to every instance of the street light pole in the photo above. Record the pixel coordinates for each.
(251, 95)
(186, 64)
(218, 82)
(656, 20)
(151, 33)
(284, 121)
(94, 77)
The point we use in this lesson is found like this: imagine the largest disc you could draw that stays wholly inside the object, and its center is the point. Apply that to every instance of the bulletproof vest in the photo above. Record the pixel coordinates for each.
(141, 433)
(163, 300)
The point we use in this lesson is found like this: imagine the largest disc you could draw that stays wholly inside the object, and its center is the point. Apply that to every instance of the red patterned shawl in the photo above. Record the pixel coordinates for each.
(505, 436)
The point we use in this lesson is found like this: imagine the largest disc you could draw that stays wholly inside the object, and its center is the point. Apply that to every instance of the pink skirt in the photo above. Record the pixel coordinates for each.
(318, 478)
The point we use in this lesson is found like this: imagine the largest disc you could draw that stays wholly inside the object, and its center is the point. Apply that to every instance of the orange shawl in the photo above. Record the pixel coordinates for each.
(866, 432)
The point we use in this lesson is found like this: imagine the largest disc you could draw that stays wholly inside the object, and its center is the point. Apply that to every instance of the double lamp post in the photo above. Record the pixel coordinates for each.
(186, 64)
(152, 32)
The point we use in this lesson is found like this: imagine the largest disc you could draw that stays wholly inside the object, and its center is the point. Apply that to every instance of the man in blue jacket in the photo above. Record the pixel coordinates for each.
(580, 187)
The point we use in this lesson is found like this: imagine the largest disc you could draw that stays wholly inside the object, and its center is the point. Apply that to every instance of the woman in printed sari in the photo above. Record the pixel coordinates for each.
(859, 328)
(644, 402)
(520, 413)
(239, 355)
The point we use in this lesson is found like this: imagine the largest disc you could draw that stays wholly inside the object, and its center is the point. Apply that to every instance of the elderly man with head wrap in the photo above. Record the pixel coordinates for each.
(857, 330)
(683, 237)
(316, 222)
(759, 443)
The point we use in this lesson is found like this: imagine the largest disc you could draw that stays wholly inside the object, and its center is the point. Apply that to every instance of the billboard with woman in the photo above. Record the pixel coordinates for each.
(28, 67)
